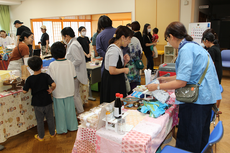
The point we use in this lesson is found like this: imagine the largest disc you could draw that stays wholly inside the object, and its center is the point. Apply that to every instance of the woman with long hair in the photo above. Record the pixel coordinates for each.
(147, 43)
(210, 41)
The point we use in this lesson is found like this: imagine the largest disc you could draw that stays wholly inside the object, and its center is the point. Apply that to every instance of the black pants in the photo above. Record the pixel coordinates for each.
(30, 50)
(150, 63)
(40, 113)
(194, 127)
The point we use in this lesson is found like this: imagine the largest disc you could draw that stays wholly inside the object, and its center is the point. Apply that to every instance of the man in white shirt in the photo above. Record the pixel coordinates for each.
(5, 40)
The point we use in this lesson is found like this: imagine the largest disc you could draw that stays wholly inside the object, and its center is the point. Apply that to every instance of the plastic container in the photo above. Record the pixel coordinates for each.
(167, 68)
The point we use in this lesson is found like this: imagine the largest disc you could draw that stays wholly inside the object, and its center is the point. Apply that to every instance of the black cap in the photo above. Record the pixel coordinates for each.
(17, 21)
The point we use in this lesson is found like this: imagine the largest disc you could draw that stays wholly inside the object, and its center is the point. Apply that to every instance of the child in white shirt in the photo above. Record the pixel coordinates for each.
(63, 73)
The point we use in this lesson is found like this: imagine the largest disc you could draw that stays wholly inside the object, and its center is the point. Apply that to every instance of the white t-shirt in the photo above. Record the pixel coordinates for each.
(6, 41)
(63, 73)
(112, 56)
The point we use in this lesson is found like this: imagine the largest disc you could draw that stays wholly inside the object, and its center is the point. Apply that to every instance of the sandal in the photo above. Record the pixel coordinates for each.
(54, 134)
(38, 138)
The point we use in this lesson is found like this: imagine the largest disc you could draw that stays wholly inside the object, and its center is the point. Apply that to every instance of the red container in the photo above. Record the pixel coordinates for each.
(164, 72)
(167, 68)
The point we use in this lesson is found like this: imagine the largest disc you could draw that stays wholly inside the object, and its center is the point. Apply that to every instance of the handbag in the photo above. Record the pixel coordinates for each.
(190, 93)
(139, 64)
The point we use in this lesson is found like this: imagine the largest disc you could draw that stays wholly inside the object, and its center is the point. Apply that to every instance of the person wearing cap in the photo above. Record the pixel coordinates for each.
(20, 29)
(44, 41)
(5, 40)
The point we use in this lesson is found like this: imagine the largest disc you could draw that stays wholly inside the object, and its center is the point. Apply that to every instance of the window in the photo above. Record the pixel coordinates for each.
(37, 31)
(55, 25)
(57, 31)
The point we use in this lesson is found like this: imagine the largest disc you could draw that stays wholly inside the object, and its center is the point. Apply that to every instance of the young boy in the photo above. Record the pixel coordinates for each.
(39, 84)
(155, 35)
(63, 73)
(85, 43)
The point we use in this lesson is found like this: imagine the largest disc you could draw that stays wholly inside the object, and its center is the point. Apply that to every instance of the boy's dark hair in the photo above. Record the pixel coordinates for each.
(35, 63)
(155, 30)
(68, 31)
(58, 50)
(80, 28)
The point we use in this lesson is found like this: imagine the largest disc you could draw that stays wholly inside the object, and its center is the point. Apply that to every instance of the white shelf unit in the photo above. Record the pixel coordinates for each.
(169, 54)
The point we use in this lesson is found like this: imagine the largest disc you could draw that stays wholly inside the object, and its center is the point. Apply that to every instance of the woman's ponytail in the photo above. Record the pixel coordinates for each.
(211, 36)
(121, 31)
(188, 37)
(112, 40)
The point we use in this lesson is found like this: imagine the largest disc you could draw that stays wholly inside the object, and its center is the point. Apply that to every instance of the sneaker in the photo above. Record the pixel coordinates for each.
(38, 138)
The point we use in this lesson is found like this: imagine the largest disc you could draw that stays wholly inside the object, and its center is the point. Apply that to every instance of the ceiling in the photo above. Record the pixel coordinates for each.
(10, 2)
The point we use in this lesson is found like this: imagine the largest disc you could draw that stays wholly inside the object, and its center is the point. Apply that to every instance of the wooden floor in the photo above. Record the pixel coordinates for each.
(26, 143)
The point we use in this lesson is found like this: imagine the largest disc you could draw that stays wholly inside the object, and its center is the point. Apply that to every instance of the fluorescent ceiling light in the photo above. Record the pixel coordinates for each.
(10, 2)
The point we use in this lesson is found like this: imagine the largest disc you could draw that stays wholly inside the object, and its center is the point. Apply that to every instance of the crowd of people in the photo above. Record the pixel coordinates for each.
(119, 48)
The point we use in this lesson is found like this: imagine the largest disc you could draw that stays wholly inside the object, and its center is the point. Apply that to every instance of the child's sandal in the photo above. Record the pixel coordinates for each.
(38, 138)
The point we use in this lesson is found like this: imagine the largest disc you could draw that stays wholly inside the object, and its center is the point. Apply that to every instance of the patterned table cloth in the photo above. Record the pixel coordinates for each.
(16, 114)
(135, 141)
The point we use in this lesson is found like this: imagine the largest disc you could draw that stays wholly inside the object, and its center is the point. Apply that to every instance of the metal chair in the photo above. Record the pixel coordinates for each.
(214, 137)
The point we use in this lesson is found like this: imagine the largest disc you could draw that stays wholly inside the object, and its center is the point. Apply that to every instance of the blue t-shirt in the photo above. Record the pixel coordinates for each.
(190, 64)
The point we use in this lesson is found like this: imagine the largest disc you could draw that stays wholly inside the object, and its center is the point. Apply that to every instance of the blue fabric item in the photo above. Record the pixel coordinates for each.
(156, 108)
(190, 64)
(137, 94)
(125, 103)
(5, 57)
(130, 105)
(144, 109)
(46, 62)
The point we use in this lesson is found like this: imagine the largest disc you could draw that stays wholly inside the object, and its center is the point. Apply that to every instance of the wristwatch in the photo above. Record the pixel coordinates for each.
(158, 87)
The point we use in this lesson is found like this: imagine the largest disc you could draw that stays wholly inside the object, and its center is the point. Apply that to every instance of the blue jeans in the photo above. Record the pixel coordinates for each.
(150, 63)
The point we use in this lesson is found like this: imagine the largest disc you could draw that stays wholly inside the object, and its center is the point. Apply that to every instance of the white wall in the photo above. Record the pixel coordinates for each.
(186, 13)
(31, 9)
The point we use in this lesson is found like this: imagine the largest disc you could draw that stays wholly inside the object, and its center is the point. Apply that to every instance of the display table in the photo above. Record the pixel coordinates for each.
(146, 136)
(16, 113)
(94, 72)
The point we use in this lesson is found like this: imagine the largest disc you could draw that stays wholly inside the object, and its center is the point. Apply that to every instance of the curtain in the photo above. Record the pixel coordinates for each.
(5, 18)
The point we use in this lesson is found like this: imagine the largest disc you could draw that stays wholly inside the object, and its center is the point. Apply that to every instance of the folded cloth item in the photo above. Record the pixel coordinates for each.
(161, 95)
(154, 108)
(5, 57)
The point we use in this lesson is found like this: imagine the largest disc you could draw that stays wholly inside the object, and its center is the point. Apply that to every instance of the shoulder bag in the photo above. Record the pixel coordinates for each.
(189, 93)
(139, 64)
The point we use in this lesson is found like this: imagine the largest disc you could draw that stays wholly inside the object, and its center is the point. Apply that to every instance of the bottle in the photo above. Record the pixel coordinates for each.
(122, 104)
(117, 107)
